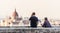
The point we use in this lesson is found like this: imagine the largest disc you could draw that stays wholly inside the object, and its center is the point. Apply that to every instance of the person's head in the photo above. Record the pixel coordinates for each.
(33, 13)
(46, 18)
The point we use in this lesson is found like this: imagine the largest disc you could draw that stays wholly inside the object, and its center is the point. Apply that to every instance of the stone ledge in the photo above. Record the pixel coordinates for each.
(29, 30)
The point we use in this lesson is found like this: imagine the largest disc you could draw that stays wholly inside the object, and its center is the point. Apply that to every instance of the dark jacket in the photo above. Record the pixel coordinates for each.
(46, 24)
(33, 21)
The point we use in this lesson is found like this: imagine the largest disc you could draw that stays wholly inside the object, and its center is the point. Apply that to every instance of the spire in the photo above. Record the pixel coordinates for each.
(15, 9)
(15, 13)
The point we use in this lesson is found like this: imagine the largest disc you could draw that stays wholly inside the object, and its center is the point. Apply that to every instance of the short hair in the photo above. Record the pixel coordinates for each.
(33, 13)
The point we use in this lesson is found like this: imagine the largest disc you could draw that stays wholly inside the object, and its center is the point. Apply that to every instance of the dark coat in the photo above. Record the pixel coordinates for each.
(46, 24)
(34, 21)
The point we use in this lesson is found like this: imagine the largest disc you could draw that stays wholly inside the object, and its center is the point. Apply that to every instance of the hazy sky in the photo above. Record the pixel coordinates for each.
(43, 8)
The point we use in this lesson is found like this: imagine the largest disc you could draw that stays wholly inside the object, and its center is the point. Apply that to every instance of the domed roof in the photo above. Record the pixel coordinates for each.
(15, 13)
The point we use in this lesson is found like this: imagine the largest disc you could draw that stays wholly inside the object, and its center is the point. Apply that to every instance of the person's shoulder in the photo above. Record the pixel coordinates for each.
(34, 17)
(46, 21)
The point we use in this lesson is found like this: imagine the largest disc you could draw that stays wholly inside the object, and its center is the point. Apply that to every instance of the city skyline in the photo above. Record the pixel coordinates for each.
(43, 8)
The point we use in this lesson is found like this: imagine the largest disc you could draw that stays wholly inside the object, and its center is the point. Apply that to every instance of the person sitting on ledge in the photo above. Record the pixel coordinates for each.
(33, 20)
(46, 23)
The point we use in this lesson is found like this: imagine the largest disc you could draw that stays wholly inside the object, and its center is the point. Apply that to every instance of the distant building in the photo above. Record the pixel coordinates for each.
(12, 20)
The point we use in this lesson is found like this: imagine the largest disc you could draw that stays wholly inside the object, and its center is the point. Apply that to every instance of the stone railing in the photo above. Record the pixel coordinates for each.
(28, 30)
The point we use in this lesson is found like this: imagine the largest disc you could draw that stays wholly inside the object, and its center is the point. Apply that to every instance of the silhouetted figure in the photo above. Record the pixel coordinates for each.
(34, 20)
(46, 23)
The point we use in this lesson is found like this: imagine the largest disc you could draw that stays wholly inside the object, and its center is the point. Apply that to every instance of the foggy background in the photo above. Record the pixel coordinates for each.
(43, 8)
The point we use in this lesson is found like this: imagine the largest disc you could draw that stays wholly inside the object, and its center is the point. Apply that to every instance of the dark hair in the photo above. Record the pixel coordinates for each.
(46, 18)
(33, 13)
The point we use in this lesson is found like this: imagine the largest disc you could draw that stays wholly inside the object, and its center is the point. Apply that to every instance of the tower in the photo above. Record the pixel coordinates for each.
(15, 14)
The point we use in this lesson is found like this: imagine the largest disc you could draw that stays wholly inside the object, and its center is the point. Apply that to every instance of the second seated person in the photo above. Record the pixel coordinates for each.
(46, 23)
